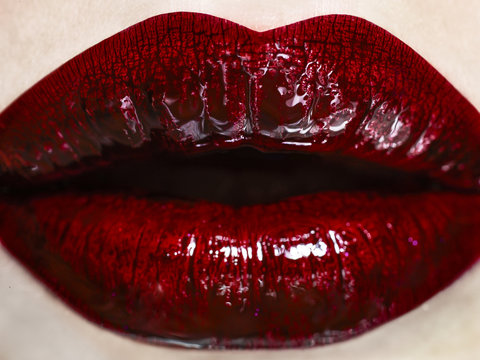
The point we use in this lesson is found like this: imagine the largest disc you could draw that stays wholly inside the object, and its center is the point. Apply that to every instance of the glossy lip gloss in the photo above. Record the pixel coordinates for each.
(306, 270)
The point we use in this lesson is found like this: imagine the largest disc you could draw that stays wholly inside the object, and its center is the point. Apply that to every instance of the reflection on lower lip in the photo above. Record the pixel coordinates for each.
(310, 269)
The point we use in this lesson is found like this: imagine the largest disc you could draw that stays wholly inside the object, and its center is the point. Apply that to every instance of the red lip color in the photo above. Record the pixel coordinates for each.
(307, 270)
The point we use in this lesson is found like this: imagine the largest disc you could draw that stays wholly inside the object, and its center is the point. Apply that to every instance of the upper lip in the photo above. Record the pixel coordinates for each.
(334, 86)
(190, 82)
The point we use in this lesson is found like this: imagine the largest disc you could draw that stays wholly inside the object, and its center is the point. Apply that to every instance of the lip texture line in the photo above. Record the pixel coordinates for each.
(307, 270)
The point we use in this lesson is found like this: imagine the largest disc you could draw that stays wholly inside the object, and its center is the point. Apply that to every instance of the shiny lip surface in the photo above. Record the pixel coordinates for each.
(307, 270)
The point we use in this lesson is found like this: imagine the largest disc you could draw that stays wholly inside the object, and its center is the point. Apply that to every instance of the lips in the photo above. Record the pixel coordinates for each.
(321, 266)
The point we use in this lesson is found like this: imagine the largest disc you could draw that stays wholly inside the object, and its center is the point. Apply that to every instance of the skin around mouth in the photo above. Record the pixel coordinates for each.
(306, 270)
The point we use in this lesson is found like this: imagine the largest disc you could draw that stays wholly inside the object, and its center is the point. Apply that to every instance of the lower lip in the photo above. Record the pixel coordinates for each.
(309, 270)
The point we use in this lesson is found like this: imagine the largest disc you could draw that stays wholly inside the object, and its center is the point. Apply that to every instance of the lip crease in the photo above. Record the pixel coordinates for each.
(311, 269)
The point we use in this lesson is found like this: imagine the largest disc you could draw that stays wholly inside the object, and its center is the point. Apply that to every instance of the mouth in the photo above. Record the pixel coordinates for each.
(193, 182)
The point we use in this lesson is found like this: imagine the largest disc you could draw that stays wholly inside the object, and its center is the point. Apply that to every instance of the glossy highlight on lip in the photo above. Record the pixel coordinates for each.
(306, 270)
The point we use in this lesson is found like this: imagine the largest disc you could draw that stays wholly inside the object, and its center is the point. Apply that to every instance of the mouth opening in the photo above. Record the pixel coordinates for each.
(236, 177)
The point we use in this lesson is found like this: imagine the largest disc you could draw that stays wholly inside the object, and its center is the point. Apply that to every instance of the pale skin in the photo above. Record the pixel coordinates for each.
(37, 37)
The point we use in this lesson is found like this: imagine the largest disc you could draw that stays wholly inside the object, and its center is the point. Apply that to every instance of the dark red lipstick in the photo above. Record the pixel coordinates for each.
(130, 187)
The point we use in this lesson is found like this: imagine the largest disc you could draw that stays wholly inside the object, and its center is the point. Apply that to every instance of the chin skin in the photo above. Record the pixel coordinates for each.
(33, 324)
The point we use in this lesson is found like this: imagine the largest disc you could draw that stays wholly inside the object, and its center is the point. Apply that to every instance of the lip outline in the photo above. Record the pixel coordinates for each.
(258, 32)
